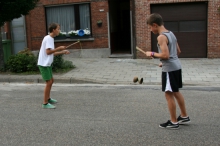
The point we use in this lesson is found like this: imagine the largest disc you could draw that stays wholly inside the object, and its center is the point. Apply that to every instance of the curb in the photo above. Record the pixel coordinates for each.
(40, 80)
(70, 80)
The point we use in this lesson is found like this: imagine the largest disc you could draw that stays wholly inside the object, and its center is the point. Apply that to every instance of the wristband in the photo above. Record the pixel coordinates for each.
(152, 54)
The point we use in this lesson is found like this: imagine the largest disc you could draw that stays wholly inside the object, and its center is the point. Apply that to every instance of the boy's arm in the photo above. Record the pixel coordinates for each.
(50, 51)
(162, 41)
(61, 52)
(178, 49)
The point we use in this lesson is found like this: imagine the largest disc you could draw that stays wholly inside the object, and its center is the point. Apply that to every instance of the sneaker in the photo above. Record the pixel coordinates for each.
(183, 120)
(52, 101)
(169, 125)
(48, 106)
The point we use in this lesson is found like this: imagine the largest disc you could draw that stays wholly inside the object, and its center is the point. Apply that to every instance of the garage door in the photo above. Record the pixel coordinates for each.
(188, 21)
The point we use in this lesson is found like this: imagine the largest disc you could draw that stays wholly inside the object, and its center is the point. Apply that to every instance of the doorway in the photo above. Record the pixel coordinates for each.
(120, 27)
(18, 32)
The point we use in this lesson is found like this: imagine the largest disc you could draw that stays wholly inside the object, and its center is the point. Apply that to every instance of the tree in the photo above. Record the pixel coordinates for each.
(11, 9)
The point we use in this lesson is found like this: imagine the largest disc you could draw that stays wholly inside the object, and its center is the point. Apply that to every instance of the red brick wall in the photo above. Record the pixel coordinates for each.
(99, 33)
(36, 24)
(143, 36)
(7, 30)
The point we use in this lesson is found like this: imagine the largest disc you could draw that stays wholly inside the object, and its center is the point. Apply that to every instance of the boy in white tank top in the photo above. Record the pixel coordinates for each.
(171, 71)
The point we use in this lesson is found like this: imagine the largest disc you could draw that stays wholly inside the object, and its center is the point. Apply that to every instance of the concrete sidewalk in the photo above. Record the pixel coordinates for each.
(201, 72)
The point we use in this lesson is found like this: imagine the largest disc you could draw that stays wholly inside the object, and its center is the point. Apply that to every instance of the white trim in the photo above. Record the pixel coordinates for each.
(109, 39)
(132, 43)
(168, 87)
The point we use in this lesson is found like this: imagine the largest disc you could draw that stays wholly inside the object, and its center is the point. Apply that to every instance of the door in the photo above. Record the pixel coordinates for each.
(18, 34)
(188, 21)
(120, 26)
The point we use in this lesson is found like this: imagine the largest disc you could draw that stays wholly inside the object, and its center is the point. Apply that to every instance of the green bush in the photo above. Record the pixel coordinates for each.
(25, 61)
(67, 64)
(59, 63)
(21, 63)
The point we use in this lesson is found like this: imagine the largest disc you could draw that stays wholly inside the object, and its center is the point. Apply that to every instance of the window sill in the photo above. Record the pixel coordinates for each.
(75, 39)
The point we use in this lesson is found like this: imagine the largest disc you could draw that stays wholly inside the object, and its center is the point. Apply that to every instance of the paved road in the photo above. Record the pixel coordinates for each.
(93, 115)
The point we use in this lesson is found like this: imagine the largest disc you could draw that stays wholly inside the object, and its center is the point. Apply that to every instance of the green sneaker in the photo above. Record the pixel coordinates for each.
(52, 101)
(48, 106)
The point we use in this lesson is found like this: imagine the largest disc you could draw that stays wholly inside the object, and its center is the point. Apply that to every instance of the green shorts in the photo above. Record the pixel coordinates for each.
(46, 72)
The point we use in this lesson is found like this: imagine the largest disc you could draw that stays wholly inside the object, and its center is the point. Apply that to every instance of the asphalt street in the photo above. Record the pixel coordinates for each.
(104, 115)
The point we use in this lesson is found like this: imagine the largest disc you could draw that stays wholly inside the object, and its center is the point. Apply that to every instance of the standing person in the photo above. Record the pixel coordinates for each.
(46, 55)
(171, 70)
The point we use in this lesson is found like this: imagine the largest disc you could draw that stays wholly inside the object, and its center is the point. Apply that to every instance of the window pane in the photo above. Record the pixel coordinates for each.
(192, 26)
(63, 15)
(172, 26)
(84, 16)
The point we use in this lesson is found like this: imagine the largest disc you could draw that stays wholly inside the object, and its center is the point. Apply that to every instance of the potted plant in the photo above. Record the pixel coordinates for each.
(87, 32)
(99, 23)
(75, 33)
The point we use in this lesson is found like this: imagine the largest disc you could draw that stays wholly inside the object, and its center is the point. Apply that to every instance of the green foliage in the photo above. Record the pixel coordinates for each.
(59, 63)
(67, 64)
(25, 61)
(25, 51)
(21, 63)
(10, 9)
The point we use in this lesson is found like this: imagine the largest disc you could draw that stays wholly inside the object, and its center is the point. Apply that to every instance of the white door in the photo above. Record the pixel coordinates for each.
(18, 33)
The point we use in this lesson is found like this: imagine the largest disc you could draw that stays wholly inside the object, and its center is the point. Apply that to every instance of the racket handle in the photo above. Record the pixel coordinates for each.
(72, 44)
(139, 49)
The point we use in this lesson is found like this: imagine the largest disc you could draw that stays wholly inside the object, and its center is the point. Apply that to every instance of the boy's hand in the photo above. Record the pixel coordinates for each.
(160, 65)
(148, 54)
(62, 47)
(66, 52)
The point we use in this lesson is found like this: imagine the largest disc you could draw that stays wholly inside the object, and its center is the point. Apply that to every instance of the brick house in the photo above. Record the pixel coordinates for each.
(194, 22)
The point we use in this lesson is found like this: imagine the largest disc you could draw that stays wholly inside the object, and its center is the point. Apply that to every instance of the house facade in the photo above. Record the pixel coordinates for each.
(113, 28)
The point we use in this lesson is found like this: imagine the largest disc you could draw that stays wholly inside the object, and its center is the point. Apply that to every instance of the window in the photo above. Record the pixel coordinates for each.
(192, 26)
(186, 26)
(70, 17)
(173, 26)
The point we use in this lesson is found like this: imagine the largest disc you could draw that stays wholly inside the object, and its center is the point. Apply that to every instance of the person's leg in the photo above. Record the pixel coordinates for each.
(52, 80)
(180, 100)
(172, 123)
(47, 90)
(171, 105)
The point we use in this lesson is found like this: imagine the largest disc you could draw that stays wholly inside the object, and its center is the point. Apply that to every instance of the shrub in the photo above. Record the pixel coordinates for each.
(25, 61)
(57, 62)
(21, 63)
(60, 63)
(67, 64)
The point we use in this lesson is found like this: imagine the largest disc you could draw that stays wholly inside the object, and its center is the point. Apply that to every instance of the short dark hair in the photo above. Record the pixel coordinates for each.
(52, 26)
(155, 18)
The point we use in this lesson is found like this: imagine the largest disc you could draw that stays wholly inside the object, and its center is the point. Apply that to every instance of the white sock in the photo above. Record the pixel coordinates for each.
(174, 123)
